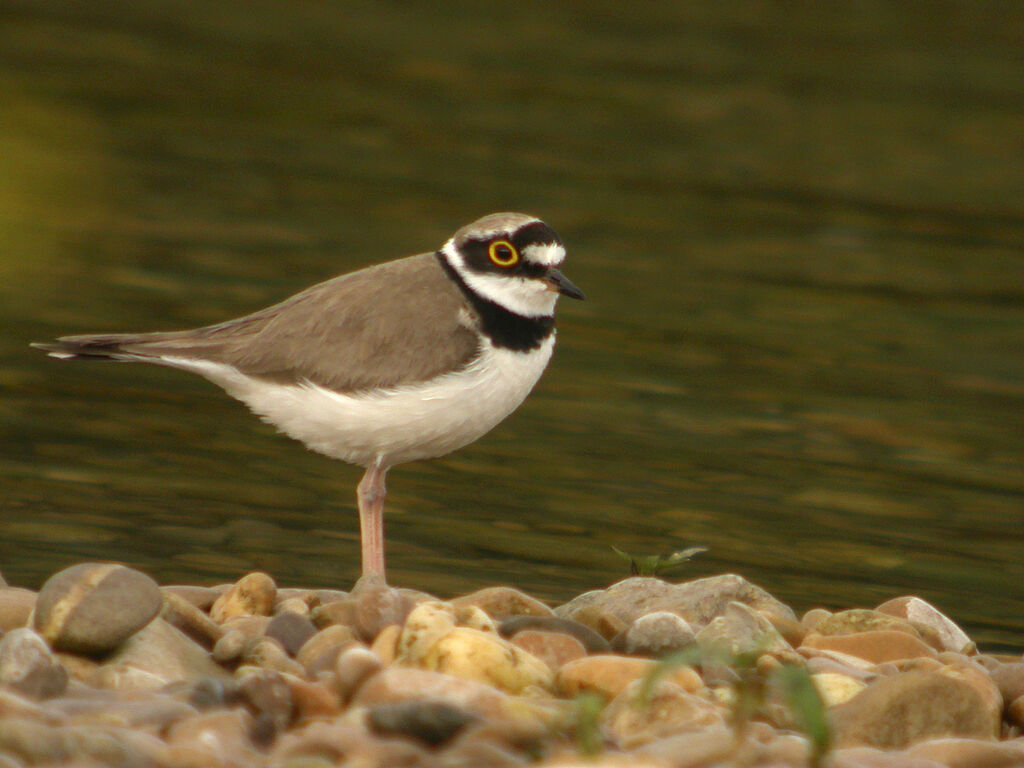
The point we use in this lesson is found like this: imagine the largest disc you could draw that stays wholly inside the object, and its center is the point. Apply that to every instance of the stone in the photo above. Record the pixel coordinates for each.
(947, 635)
(810, 620)
(591, 640)
(217, 738)
(740, 630)
(424, 626)
(267, 653)
(432, 722)
(39, 744)
(708, 747)
(863, 620)
(335, 612)
(354, 667)
(378, 605)
(28, 666)
(401, 684)
(16, 606)
(475, 618)
(608, 675)
(869, 757)
(296, 605)
(185, 616)
(655, 634)
(474, 655)
(629, 723)
(385, 644)
(321, 650)
(209, 692)
(894, 712)
(232, 647)
(970, 753)
(157, 655)
(553, 648)
(200, 597)
(291, 630)
(1015, 712)
(322, 744)
(835, 688)
(268, 696)
(253, 595)
(502, 602)
(876, 646)
(17, 705)
(612, 610)
(93, 608)
(314, 699)
(136, 710)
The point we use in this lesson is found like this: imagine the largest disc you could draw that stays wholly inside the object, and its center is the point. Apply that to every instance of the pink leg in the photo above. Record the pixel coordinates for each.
(371, 493)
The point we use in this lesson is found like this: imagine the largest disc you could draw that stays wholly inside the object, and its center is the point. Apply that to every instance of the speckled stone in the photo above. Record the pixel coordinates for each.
(253, 595)
(93, 608)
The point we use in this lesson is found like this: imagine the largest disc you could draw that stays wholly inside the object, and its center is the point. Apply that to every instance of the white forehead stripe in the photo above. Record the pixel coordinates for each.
(548, 254)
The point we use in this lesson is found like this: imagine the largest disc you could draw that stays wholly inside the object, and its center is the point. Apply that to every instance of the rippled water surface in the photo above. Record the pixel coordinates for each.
(800, 230)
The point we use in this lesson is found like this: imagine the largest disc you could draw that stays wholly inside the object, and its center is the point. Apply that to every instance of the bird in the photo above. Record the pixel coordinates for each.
(405, 360)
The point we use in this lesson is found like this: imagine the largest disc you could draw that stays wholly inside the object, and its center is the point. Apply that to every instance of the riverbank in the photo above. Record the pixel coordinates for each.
(104, 667)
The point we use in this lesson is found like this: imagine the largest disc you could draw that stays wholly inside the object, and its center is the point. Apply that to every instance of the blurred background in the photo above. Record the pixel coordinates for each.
(799, 227)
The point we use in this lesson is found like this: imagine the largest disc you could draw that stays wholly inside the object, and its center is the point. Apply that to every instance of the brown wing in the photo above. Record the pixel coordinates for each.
(396, 323)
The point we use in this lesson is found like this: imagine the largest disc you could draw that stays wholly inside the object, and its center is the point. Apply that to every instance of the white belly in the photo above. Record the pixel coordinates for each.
(393, 426)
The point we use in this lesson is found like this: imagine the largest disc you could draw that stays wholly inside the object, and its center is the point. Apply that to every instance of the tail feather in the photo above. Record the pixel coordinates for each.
(111, 346)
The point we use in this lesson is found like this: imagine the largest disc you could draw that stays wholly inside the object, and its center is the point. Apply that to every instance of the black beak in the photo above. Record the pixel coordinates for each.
(558, 282)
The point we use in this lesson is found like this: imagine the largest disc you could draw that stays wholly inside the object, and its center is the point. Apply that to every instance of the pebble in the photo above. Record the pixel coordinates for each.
(655, 634)
(247, 674)
(432, 722)
(93, 608)
(553, 648)
(608, 675)
(291, 630)
(741, 630)
(874, 646)
(669, 710)
(504, 602)
(28, 666)
(321, 649)
(612, 610)
(16, 606)
(591, 640)
(947, 635)
(354, 666)
(896, 711)
(253, 595)
(154, 657)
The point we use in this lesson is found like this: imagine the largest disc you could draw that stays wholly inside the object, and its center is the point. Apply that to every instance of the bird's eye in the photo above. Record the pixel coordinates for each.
(503, 254)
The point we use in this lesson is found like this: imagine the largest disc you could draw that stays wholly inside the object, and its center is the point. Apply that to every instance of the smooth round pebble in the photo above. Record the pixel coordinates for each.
(93, 608)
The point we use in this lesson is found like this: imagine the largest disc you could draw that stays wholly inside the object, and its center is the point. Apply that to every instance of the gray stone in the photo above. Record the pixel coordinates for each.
(612, 610)
(93, 608)
(655, 634)
(291, 630)
(154, 657)
(432, 722)
(28, 666)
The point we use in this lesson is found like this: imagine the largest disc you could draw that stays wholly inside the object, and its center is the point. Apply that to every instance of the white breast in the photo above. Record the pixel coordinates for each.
(392, 426)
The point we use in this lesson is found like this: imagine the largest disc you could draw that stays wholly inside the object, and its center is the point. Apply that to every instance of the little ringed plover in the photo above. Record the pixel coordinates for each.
(406, 360)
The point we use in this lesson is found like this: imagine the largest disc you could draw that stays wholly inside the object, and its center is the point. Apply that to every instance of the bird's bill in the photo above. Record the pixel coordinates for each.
(559, 283)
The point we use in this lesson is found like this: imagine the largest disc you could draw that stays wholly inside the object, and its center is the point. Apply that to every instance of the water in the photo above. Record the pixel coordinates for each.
(799, 230)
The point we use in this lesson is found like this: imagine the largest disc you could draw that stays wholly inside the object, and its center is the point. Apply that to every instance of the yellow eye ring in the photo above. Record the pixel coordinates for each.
(503, 254)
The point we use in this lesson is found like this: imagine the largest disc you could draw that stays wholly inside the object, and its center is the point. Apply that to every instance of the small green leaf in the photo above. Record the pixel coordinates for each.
(803, 699)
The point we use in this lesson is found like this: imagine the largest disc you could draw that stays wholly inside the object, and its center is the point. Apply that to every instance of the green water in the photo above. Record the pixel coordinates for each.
(800, 228)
